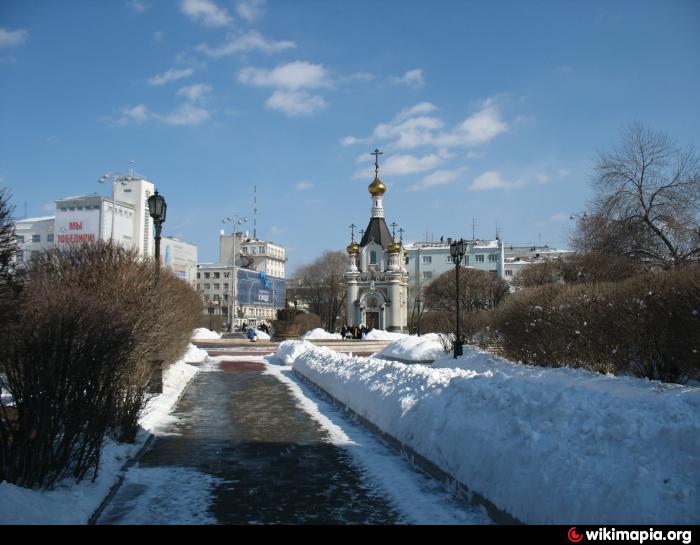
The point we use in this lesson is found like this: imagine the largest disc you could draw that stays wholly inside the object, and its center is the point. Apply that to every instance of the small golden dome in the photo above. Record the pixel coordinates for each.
(377, 187)
(394, 247)
(353, 248)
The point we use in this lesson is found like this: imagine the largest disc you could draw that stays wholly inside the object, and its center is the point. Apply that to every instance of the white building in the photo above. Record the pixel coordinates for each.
(519, 257)
(260, 288)
(428, 260)
(376, 278)
(254, 254)
(34, 235)
(180, 258)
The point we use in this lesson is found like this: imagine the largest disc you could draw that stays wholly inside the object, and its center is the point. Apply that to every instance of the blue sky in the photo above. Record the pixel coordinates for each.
(491, 111)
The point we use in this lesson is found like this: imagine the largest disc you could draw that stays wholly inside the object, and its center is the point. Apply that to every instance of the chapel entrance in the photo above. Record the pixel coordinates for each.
(372, 320)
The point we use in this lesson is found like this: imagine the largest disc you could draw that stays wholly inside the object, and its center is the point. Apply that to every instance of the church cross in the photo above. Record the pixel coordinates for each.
(393, 230)
(401, 232)
(352, 232)
(376, 154)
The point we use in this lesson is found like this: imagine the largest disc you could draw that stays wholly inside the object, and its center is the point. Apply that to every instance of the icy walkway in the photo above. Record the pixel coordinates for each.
(243, 448)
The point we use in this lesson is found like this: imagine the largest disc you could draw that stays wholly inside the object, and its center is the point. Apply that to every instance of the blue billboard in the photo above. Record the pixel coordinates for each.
(256, 288)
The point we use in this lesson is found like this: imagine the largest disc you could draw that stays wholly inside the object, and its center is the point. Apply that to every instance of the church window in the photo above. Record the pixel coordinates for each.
(373, 257)
(372, 302)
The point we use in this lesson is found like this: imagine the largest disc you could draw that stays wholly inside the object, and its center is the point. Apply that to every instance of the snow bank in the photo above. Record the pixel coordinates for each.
(262, 335)
(381, 335)
(194, 354)
(319, 333)
(69, 503)
(288, 351)
(205, 334)
(549, 446)
(413, 348)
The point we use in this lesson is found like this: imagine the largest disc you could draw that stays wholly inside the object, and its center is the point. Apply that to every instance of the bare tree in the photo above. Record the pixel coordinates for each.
(321, 286)
(647, 202)
(478, 290)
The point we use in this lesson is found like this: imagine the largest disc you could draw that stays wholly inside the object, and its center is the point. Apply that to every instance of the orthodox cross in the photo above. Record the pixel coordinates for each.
(376, 154)
(362, 232)
(352, 232)
(401, 231)
(393, 230)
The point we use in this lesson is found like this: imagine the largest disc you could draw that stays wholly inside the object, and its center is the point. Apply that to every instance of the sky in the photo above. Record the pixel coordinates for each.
(489, 114)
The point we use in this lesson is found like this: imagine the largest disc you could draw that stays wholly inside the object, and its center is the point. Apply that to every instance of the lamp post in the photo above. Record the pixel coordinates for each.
(236, 220)
(457, 251)
(157, 209)
(116, 178)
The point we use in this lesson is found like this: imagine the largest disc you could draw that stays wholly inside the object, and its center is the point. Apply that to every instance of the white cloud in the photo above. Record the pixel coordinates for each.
(206, 12)
(400, 165)
(12, 38)
(250, 10)
(492, 179)
(295, 103)
(351, 141)
(294, 75)
(173, 74)
(563, 172)
(419, 109)
(410, 133)
(137, 5)
(479, 128)
(359, 76)
(301, 186)
(412, 78)
(250, 41)
(559, 216)
(439, 177)
(137, 114)
(196, 92)
(185, 114)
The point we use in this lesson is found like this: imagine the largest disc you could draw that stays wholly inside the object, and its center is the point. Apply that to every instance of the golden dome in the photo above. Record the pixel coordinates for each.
(377, 187)
(394, 247)
(353, 248)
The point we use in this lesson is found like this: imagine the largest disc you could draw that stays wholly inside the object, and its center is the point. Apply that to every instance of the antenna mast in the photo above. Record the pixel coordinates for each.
(255, 212)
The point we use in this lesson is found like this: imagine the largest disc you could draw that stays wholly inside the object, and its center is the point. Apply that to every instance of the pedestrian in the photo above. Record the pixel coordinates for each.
(252, 335)
(343, 331)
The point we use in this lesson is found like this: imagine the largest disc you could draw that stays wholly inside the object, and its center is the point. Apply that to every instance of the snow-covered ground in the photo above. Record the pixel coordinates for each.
(381, 335)
(319, 333)
(204, 334)
(419, 498)
(545, 445)
(71, 503)
(413, 348)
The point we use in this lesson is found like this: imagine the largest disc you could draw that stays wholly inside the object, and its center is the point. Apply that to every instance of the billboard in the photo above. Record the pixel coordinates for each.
(256, 288)
(77, 226)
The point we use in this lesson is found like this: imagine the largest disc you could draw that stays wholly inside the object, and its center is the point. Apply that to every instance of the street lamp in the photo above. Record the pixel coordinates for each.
(157, 209)
(457, 251)
(116, 178)
(236, 220)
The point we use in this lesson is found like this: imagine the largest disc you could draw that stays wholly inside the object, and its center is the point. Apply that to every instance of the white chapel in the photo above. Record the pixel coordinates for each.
(377, 277)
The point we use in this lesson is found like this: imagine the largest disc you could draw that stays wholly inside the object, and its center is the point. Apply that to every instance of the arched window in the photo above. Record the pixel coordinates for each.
(373, 258)
(372, 302)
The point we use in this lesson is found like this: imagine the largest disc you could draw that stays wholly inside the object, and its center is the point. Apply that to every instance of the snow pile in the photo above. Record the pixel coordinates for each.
(319, 333)
(69, 503)
(288, 351)
(413, 348)
(381, 335)
(549, 446)
(262, 335)
(194, 354)
(204, 334)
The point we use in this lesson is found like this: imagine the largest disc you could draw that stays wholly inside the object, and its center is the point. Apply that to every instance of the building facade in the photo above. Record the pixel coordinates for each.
(180, 258)
(260, 288)
(376, 278)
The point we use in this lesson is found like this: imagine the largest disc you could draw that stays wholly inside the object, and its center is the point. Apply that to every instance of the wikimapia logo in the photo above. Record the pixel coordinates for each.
(637, 536)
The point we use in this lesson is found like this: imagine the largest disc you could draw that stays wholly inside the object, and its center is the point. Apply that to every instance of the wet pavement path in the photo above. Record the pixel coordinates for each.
(240, 433)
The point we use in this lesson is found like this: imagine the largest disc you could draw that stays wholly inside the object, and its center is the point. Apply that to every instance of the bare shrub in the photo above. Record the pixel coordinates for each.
(648, 325)
(150, 311)
(61, 369)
